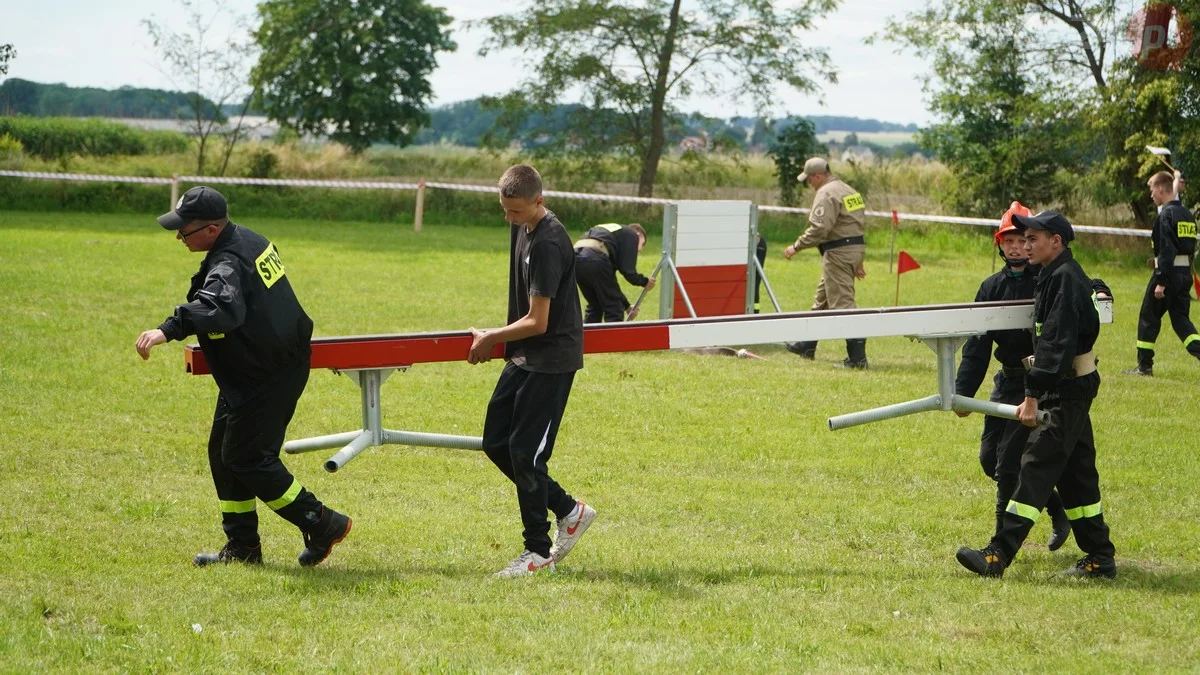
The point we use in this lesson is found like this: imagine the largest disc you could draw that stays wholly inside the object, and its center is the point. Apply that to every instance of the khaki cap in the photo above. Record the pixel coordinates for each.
(812, 166)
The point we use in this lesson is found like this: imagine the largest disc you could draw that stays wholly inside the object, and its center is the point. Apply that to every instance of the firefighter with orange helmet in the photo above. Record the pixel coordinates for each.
(1003, 440)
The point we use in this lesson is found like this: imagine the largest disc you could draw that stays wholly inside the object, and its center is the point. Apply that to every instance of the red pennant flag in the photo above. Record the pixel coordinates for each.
(906, 264)
(1196, 283)
(895, 217)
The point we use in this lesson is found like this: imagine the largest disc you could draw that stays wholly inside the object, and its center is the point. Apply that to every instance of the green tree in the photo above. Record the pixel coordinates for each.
(211, 68)
(356, 70)
(632, 60)
(1011, 102)
(789, 149)
(7, 53)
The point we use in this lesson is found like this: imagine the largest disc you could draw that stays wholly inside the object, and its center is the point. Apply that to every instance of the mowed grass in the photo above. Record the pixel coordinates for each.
(736, 533)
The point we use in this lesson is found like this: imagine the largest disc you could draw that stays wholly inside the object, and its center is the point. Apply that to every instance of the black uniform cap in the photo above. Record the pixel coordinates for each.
(1050, 221)
(200, 203)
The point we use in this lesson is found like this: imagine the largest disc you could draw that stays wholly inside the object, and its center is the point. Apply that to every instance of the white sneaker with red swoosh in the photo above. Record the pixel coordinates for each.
(525, 564)
(570, 530)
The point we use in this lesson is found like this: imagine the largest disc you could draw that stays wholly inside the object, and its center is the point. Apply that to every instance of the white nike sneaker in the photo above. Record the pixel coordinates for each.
(570, 530)
(525, 564)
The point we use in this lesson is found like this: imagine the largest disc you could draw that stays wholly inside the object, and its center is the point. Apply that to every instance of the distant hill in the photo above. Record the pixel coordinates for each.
(465, 122)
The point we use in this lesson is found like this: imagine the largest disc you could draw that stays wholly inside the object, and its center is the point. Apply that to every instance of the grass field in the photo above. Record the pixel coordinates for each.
(735, 532)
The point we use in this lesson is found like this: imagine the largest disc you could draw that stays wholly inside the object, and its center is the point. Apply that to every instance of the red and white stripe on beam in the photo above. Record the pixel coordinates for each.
(394, 351)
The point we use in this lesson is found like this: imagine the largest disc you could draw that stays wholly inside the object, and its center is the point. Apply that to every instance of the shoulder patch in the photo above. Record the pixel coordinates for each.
(819, 211)
(269, 265)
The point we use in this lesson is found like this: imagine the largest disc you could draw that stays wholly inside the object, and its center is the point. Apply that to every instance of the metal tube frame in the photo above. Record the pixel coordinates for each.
(370, 381)
(944, 346)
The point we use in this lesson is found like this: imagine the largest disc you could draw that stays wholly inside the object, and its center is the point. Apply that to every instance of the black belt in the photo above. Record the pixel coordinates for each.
(1013, 372)
(838, 243)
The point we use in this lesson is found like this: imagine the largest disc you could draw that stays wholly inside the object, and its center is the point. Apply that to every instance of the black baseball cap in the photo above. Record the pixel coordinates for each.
(1050, 221)
(199, 203)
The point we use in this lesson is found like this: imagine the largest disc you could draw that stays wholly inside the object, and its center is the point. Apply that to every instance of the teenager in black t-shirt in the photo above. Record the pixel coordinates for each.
(543, 347)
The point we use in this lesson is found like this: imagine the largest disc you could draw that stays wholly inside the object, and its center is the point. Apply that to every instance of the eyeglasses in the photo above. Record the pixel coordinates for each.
(185, 235)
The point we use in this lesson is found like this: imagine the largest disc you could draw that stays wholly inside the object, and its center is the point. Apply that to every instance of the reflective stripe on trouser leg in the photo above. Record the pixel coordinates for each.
(1024, 510)
(1190, 339)
(245, 506)
(1089, 511)
(287, 497)
(1141, 344)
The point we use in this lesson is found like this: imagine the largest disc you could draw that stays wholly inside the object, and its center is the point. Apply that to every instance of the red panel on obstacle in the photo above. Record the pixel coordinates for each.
(716, 290)
(392, 351)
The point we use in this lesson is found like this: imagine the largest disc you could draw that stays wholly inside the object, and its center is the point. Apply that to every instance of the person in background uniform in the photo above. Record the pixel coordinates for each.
(255, 336)
(1063, 381)
(1003, 440)
(836, 226)
(543, 348)
(760, 252)
(1173, 238)
(602, 252)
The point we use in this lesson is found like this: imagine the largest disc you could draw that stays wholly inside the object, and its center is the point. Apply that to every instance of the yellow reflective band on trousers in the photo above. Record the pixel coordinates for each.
(1089, 511)
(246, 506)
(1149, 345)
(1190, 339)
(288, 497)
(1024, 510)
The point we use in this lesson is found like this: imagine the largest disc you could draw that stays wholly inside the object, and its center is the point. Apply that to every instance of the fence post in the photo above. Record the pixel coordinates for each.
(174, 190)
(420, 214)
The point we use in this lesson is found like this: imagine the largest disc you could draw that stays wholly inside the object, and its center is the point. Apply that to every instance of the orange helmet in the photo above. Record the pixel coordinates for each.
(1006, 224)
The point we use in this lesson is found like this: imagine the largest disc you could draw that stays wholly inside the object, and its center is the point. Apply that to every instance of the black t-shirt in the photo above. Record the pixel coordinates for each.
(543, 263)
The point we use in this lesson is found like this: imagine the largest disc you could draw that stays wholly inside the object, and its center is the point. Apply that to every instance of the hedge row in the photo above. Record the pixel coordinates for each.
(53, 138)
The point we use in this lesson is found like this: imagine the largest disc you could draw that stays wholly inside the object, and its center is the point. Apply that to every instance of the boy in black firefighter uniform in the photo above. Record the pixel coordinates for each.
(1063, 381)
(1173, 239)
(255, 337)
(1003, 440)
(543, 347)
(602, 252)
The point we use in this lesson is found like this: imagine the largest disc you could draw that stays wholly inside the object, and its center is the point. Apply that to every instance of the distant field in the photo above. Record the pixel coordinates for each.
(884, 138)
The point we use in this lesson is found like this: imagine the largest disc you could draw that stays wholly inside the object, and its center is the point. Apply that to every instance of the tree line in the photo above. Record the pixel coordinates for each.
(467, 123)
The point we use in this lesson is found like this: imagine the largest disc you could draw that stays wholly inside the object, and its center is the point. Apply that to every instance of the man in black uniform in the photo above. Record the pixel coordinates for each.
(1063, 381)
(255, 337)
(1003, 440)
(1173, 239)
(543, 347)
(602, 252)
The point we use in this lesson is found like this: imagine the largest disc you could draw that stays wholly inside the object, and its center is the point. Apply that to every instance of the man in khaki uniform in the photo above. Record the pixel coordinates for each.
(836, 225)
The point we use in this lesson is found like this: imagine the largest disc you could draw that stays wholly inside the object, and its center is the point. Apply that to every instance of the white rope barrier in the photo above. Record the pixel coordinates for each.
(86, 177)
(384, 185)
(300, 182)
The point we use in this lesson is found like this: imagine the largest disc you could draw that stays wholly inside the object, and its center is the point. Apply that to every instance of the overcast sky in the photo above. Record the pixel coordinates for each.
(103, 44)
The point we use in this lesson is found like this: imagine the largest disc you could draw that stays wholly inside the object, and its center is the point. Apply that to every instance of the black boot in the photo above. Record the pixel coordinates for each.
(805, 350)
(327, 529)
(1093, 567)
(856, 355)
(1145, 364)
(231, 552)
(986, 562)
(1061, 531)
